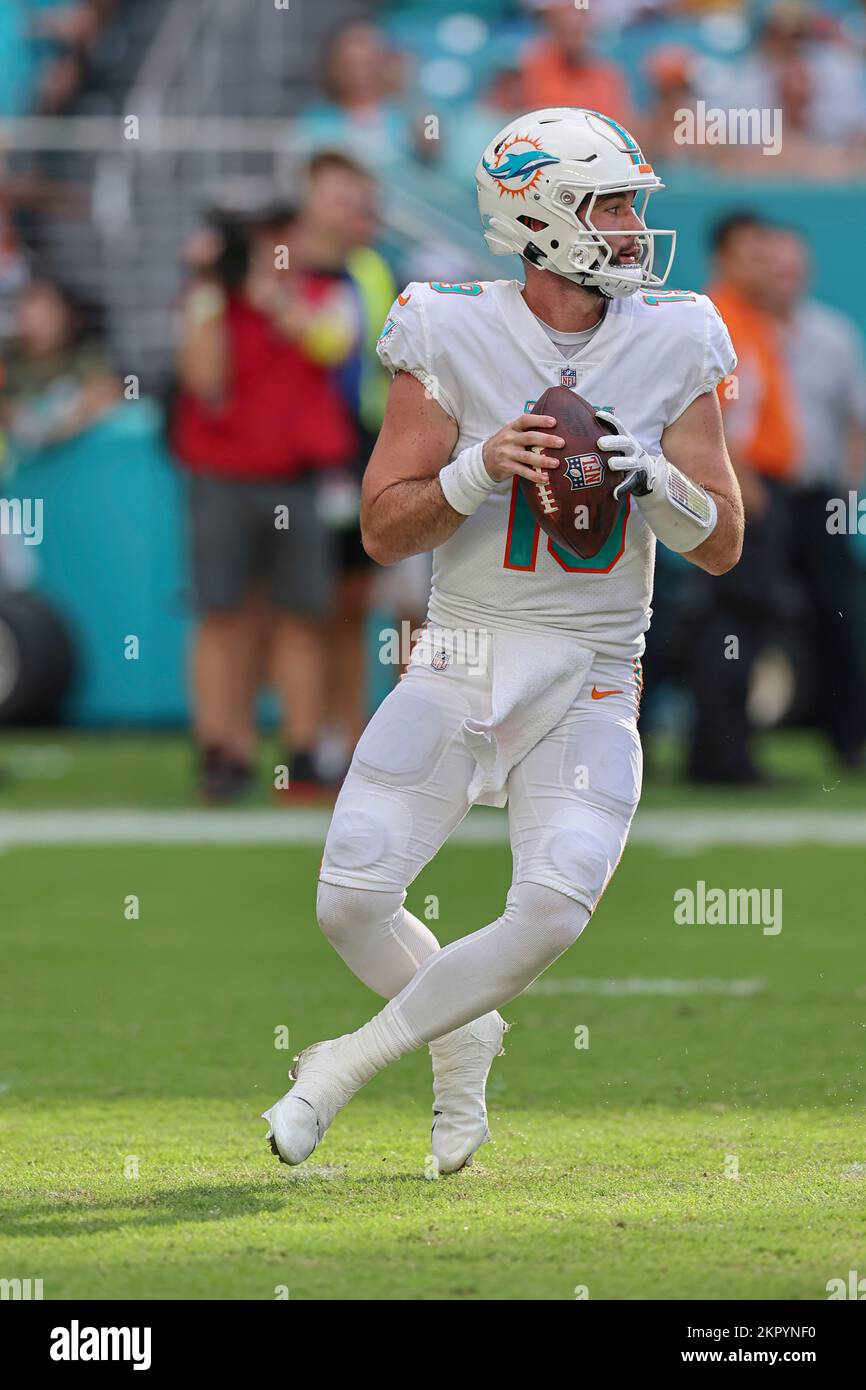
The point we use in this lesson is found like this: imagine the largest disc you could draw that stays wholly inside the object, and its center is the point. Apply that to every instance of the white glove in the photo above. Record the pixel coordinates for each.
(643, 470)
(680, 512)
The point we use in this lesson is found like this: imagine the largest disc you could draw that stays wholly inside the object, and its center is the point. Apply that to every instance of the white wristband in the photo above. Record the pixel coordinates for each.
(466, 482)
(679, 511)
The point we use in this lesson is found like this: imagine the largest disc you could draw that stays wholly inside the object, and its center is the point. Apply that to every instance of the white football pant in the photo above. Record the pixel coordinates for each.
(570, 805)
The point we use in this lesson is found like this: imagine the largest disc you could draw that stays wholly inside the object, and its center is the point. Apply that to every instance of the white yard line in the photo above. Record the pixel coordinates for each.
(673, 831)
(740, 989)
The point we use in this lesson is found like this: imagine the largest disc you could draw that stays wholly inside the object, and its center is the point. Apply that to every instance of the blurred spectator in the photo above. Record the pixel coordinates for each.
(805, 70)
(838, 70)
(59, 84)
(76, 24)
(14, 269)
(671, 73)
(338, 223)
(561, 68)
(473, 126)
(824, 355)
(715, 7)
(57, 381)
(71, 31)
(759, 415)
(257, 419)
(760, 412)
(363, 112)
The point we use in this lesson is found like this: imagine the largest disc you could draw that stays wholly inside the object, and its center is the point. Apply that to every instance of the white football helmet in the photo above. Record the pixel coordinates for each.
(544, 166)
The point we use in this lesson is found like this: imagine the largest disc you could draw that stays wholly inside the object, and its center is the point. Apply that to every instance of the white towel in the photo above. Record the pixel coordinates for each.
(535, 678)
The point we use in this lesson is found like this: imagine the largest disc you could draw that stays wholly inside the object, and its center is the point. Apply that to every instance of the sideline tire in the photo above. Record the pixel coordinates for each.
(36, 660)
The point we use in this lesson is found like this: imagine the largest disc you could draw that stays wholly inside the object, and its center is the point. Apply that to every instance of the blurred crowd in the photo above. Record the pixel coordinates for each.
(795, 422)
(644, 62)
(278, 394)
(64, 41)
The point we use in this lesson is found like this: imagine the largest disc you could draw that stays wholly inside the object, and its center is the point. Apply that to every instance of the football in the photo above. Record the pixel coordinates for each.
(575, 506)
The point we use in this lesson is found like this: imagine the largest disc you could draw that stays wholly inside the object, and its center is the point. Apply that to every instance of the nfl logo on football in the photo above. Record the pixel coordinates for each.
(568, 376)
(584, 470)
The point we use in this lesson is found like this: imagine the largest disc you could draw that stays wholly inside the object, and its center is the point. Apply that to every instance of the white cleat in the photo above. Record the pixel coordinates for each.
(325, 1079)
(461, 1064)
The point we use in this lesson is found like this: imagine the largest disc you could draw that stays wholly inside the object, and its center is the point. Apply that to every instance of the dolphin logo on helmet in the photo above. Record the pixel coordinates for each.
(520, 165)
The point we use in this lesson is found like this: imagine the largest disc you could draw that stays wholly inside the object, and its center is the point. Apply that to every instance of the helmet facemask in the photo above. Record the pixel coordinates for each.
(572, 246)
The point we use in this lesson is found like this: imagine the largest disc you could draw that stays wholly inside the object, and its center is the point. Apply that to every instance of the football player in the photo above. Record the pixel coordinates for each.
(525, 684)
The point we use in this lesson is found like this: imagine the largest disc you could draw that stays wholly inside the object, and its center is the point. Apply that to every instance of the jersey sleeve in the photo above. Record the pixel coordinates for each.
(408, 343)
(711, 358)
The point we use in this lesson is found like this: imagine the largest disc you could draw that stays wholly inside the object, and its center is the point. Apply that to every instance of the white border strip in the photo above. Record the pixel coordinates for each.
(674, 831)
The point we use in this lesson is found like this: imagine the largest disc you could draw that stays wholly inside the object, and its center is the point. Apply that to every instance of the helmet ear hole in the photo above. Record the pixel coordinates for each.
(534, 224)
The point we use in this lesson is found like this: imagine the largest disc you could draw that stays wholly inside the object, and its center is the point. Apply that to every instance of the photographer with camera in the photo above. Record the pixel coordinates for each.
(257, 418)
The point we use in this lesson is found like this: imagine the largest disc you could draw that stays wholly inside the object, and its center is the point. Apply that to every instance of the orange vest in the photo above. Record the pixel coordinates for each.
(774, 446)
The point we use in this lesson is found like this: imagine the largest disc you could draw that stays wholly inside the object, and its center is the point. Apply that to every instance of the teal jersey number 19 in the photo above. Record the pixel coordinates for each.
(521, 542)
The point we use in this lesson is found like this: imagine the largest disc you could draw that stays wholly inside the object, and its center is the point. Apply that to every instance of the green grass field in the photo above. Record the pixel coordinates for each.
(138, 1054)
(42, 769)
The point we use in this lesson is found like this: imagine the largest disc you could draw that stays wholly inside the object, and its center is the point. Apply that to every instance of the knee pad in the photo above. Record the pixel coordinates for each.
(367, 844)
(359, 837)
(583, 857)
(573, 839)
(576, 853)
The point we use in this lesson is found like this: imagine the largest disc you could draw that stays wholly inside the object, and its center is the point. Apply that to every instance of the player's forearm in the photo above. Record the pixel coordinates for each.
(723, 547)
(203, 356)
(407, 518)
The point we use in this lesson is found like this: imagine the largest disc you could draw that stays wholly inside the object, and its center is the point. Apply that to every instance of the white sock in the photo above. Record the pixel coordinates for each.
(476, 974)
(383, 1040)
(484, 970)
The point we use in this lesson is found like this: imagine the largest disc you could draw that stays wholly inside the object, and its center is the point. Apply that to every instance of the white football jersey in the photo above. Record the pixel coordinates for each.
(485, 358)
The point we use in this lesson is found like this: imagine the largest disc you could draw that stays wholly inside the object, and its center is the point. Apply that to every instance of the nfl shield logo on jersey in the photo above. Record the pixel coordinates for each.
(584, 470)
(439, 660)
(568, 376)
